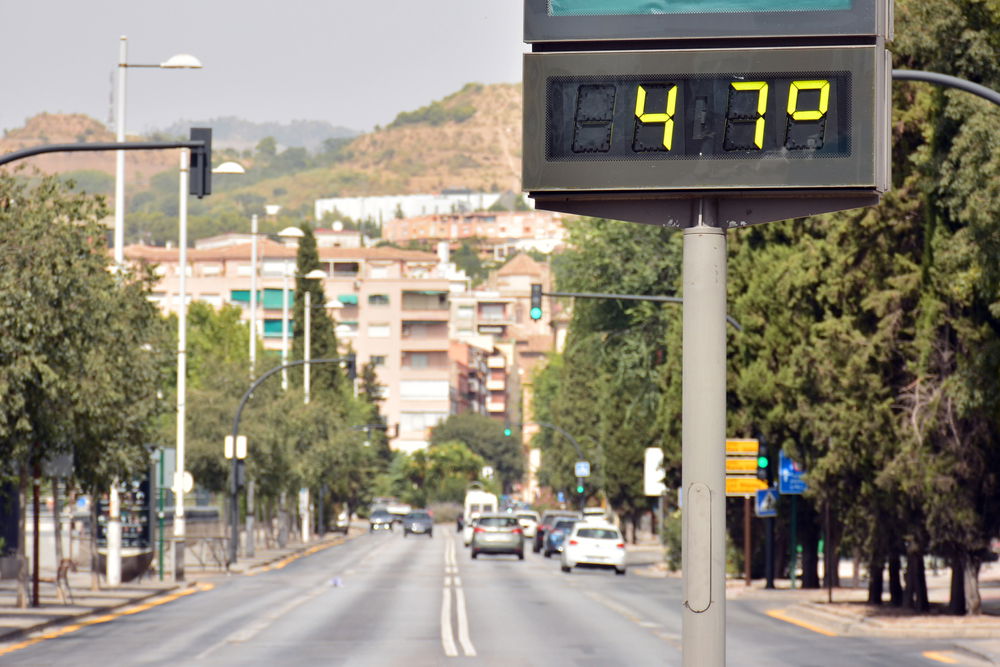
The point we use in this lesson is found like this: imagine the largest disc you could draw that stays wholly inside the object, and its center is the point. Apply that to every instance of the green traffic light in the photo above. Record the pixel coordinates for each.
(507, 432)
(535, 313)
(761, 461)
(579, 489)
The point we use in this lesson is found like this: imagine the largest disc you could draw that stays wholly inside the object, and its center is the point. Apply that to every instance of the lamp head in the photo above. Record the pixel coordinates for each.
(229, 167)
(181, 61)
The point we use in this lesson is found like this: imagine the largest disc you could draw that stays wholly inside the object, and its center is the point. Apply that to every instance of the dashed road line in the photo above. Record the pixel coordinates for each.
(452, 582)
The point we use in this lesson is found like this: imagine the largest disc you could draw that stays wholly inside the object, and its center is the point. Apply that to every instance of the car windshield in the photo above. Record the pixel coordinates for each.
(418, 516)
(529, 517)
(598, 533)
(564, 524)
(380, 514)
(498, 522)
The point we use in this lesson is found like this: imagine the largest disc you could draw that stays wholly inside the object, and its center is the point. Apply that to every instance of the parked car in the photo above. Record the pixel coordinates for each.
(555, 536)
(529, 523)
(418, 522)
(497, 534)
(548, 518)
(594, 544)
(380, 520)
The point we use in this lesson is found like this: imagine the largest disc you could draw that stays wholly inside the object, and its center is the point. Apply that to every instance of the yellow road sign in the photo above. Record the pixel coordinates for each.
(742, 446)
(741, 464)
(744, 486)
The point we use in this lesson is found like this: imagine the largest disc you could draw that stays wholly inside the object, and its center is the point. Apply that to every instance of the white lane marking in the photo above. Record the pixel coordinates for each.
(252, 630)
(447, 639)
(463, 623)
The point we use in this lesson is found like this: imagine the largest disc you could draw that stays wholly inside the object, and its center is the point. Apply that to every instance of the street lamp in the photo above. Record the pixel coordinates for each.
(286, 233)
(315, 274)
(179, 61)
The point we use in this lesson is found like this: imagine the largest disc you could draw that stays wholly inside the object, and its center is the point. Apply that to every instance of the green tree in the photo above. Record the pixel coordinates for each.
(484, 437)
(323, 337)
(83, 351)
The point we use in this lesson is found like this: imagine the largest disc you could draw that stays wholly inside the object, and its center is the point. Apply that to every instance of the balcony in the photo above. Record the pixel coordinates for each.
(493, 405)
(496, 385)
(496, 361)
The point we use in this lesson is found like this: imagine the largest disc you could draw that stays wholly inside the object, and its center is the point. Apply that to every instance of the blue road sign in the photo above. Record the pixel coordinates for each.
(561, 497)
(790, 473)
(767, 503)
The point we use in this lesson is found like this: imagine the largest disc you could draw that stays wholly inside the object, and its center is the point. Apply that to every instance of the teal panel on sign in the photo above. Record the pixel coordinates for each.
(651, 7)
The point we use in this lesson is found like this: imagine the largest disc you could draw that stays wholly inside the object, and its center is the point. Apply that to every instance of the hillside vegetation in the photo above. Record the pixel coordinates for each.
(470, 139)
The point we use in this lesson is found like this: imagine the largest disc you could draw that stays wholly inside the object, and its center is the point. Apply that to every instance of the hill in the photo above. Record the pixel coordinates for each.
(239, 134)
(470, 139)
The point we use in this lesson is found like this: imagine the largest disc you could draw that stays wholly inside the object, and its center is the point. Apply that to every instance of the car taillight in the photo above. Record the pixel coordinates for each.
(479, 529)
(620, 545)
(573, 543)
(517, 531)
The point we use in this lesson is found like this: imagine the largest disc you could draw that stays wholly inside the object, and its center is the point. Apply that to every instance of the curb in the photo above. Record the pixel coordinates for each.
(20, 633)
(866, 626)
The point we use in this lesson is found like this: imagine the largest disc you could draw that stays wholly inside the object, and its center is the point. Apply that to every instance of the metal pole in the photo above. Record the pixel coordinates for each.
(769, 553)
(179, 527)
(306, 353)
(159, 514)
(234, 508)
(253, 294)
(36, 529)
(120, 155)
(284, 329)
(703, 621)
(828, 563)
(747, 523)
(793, 559)
(113, 554)
(249, 549)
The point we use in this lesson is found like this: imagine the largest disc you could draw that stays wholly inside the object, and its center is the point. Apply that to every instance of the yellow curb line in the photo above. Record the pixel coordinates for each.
(781, 615)
(104, 618)
(937, 656)
(288, 559)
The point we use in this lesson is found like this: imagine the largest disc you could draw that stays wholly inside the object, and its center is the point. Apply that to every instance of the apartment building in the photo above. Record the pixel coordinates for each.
(391, 307)
(502, 232)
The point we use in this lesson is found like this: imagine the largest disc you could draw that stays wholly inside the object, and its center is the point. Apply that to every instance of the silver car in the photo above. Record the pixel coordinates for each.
(497, 534)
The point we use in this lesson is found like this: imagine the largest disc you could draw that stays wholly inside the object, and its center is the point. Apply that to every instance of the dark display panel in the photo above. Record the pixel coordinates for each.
(739, 115)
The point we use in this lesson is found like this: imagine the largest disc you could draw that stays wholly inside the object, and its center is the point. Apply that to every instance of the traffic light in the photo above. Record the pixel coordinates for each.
(579, 486)
(536, 302)
(765, 467)
(507, 430)
(201, 163)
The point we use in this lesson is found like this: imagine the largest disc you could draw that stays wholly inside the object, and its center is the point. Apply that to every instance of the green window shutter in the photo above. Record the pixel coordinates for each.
(240, 295)
(348, 299)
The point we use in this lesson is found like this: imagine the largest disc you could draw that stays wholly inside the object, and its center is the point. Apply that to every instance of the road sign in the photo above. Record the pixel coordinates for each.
(736, 465)
(790, 473)
(653, 475)
(743, 486)
(742, 446)
(582, 469)
(767, 503)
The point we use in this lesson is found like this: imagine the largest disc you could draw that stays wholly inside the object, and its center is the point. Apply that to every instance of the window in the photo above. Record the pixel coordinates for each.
(347, 328)
(418, 360)
(491, 312)
(419, 421)
(424, 389)
(275, 268)
(378, 330)
(214, 300)
(345, 269)
(465, 312)
(210, 269)
(378, 360)
(243, 270)
(379, 272)
(378, 299)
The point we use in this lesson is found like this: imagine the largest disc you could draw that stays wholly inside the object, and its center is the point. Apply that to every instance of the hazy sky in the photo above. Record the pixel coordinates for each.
(355, 64)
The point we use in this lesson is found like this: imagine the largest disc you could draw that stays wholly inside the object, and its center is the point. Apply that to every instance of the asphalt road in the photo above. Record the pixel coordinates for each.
(384, 600)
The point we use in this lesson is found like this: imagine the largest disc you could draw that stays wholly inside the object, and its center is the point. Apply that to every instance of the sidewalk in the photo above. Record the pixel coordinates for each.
(849, 614)
(18, 623)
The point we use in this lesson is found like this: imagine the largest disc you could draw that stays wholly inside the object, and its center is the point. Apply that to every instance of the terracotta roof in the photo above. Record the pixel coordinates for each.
(268, 249)
(521, 265)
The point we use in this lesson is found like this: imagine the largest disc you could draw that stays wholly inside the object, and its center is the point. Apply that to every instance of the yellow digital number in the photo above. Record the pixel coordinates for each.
(822, 86)
(666, 118)
(761, 87)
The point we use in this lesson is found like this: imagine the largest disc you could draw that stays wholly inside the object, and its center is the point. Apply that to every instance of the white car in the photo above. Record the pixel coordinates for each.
(529, 523)
(596, 544)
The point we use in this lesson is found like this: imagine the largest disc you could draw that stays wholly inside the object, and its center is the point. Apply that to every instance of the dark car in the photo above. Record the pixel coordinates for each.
(497, 534)
(379, 520)
(556, 534)
(548, 518)
(418, 522)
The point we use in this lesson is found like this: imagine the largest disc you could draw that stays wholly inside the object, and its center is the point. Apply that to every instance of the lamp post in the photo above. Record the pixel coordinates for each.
(315, 274)
(179, 61)
(286, 233)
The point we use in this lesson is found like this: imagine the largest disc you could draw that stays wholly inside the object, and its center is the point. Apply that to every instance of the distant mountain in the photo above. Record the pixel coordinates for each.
(239, 134)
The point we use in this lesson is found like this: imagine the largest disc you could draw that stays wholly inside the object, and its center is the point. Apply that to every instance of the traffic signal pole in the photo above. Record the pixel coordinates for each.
(703, 538)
